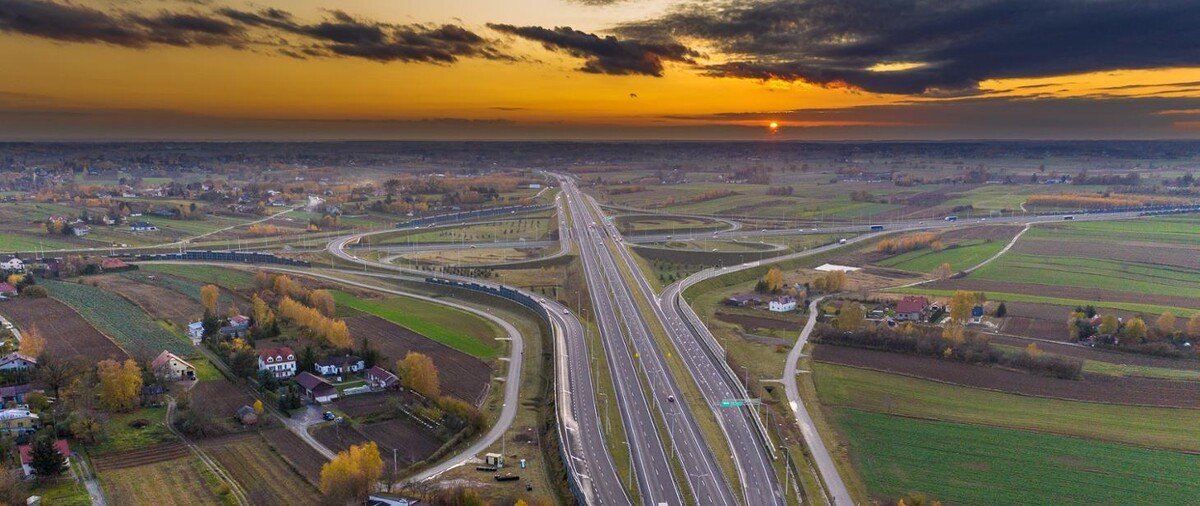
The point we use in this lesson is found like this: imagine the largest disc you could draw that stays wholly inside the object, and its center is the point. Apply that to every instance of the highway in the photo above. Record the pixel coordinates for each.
(586, 453)
(614, 303)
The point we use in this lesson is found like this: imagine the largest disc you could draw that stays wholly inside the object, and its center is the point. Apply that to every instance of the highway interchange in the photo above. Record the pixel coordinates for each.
(657, 419)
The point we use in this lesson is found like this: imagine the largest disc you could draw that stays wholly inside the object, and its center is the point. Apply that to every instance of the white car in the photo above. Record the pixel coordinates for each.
(566, 311)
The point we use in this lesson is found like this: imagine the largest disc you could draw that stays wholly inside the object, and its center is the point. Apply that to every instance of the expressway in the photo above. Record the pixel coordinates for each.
(615, 303)
(586, 453)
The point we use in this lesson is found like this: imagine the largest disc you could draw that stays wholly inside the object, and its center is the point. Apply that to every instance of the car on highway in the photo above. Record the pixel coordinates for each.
(566, 311)
(670, 398)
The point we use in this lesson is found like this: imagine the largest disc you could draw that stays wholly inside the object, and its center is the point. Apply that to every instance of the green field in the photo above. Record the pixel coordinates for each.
(530, 228)
(1124, 276)
(862, 389)
(961, 256)
(13, 241)
(462, 331)
(1038, 299)
(232, 279)
(970, 464)
(120, 319)
(1163, 230)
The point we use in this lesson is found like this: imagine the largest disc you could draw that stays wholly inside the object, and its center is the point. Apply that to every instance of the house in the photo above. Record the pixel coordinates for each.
(743, 300)
(343, 364)
(15, 393)
(26, 452)
(15, 361)
(239, 326)
(142, 226)
(18, 421)
(113, 264)
(911, 307)
(7, 289)
(316, 389)
(381, 379)
(279, 362)
(12, 264)
(169, 365)
(195, 331)
(81, 230)
(782, 304)
(977, 314)
(247, 415)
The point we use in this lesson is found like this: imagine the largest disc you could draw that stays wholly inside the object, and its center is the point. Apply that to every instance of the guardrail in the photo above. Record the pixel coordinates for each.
(249, 257)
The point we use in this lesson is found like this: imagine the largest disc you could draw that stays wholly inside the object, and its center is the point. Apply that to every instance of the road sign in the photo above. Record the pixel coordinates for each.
(739, 403)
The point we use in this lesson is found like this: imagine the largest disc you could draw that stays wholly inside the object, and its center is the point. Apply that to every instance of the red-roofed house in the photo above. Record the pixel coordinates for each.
(279, 362)
(7, 289)
(316, 388)
(170, 366)
(381, 379)
(109, 264)
(911, 308)
(27, 455)
(15, 361)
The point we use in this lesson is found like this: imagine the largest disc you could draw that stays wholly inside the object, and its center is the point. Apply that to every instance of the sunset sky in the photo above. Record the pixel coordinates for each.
(596, 69)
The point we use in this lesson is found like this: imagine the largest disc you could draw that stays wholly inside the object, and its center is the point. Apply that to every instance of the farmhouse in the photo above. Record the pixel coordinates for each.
(911, 308)
(81, 230)
(18, 421)
(195, 332)
(26, 452)
(316, 389)
(17, 362)
(238, 326)
(782, 304)
(381, 379)
(743, 300)
(12, 264)
(343, 364)
(278, 362)
(170, 366)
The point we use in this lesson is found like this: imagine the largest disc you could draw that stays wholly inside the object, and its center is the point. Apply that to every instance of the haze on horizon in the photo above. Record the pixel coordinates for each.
(598, 69)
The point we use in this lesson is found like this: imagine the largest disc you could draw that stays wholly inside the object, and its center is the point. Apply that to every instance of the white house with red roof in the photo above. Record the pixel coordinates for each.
(911, 307)
(15, 361)
(169, 365)
(280, 362)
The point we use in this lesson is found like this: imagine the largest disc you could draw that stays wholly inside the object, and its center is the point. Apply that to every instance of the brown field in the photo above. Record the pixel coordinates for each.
(1093, 388)
(160, 303)
(67, 334)
(370, 404)
(144, 456)
(1125, 251)
(413, 442)
(339, 438)
(1035, 328)
(461, 375)
(1062, 292)
(264, 474)
(220, 398)
(176, 482)
(993, 232)
(296, 452)
(759, 322)
(1099, 354)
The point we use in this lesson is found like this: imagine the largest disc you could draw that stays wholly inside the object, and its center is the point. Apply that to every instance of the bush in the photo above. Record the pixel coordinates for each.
(34, 292)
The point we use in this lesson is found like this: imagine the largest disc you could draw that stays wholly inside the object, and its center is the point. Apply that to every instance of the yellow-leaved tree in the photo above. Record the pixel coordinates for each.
(418, 373)
(1193, 326)
(851, 316)
(322, 301)
(32, 342)
(120, 384)
(352, 474)
(961, 304)
(208, 299)
(1166, 322)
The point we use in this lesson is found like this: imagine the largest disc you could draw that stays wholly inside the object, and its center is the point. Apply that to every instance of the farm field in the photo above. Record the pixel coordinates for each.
(18, 241)
(220, 398)
(1092, 388)
(302, 457)
(861, 389)
(67, 334)
(751, 200)
(265, 476)
(635, 224)
(459, 330)
(232, 279)
(119, 318)
(710, 245)
(971, 464)
(1072, 298)
(158, 302)
(176, 482)
(460, 374)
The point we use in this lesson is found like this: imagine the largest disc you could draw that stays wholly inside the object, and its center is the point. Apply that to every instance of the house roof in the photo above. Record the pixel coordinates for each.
(744, 297)
(14, 413)
(196, 325)
(239, 320)
(113, 263)
(165, 357)
(15, 356)
(7, 288)
(786, 299)
(382, 374)
(339, 360)
(280, 354)
(311, 382)
(912, 304)
(13, 390)
(27, 450)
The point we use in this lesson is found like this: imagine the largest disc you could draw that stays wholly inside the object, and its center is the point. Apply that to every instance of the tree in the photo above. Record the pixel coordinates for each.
(258, 406)
(1136, 329)
(1193, 326)
(120, 384)
(851, 316)
(418, 373)
(1001, 310)
(352, 474)
(12, 487)
(87, 428)
(1108, 325)
(44, 458)
(208, 299)
(264, 317)
(943, 271)
(32, 342)
(34, 292)
(961, 304)
(773, 280)
(1032, 351)
(954, 332)
(322, 301)
(1166, 323)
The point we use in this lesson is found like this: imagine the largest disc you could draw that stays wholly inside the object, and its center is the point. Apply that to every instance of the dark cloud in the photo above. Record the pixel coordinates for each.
(339, 35)
(606, 55)
(959, 44)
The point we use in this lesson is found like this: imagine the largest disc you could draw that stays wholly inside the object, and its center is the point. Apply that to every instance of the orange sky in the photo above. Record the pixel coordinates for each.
(51, 80)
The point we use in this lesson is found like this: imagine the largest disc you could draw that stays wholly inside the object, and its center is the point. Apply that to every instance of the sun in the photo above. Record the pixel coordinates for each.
(773, 126)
